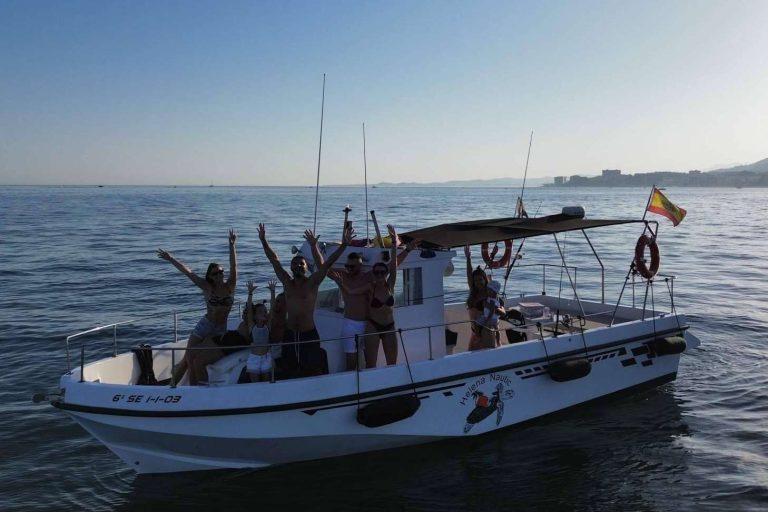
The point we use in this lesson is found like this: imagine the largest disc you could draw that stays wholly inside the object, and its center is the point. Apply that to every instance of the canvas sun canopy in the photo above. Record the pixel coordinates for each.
(474, 232)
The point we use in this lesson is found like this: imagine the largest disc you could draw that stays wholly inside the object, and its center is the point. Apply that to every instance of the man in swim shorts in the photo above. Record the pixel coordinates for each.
(302, 359)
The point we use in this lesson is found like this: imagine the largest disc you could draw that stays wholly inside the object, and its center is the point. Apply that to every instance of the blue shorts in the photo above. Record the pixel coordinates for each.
(206, 328)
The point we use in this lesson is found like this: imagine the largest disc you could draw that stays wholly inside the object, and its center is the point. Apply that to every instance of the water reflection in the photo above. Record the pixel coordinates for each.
(608, 455)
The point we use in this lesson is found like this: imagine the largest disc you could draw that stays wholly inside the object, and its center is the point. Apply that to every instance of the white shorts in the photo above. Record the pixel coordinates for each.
(259, 363)
(348, 330)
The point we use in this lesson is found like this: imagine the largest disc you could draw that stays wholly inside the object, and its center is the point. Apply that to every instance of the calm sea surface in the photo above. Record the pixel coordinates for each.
(73, 258)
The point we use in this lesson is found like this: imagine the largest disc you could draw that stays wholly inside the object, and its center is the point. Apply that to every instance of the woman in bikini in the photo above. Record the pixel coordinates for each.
(219, 297)
(381, 315)
(477, 280)
(380, 319)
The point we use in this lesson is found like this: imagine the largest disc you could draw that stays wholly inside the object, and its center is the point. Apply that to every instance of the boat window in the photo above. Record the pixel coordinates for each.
(409, 289)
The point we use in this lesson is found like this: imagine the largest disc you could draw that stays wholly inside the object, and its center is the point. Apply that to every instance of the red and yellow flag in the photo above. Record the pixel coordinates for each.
(663, 206)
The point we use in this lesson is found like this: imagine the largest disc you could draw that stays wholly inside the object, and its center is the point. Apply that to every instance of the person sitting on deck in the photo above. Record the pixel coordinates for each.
(214, 348)
(219, 297)
(305, 356)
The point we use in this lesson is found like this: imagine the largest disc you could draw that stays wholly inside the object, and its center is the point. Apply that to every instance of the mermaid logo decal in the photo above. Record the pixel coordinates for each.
(485, 406)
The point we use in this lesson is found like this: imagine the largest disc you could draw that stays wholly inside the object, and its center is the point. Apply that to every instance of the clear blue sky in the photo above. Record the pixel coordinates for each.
(228, 92)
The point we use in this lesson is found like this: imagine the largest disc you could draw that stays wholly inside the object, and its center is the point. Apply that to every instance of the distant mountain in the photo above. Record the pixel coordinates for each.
(760, 167)
(496, 182)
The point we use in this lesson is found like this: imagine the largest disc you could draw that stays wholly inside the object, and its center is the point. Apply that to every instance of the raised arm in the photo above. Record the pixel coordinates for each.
(282, 275)
(249, 307)
(468, 255)
(312, 239)
(232, 281)
(199, 281)
(272, 285)
(323, 269)
(394, 259)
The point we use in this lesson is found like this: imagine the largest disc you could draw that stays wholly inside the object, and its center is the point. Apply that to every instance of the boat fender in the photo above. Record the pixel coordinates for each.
(668, 346)
(388, 410)
(644, 270)
(489, 258)
(569, 369)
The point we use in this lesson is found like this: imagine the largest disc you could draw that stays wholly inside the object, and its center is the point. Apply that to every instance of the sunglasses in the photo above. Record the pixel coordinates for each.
(380, 272)
(217, 272)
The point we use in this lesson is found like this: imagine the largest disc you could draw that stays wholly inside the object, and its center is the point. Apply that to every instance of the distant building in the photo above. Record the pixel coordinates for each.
(559, 180)
(578, 180)
(611, 173)
(694, 173)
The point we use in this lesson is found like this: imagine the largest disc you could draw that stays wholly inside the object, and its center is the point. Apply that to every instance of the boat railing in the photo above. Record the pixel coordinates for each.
(640, 289)
(647, 293)
(113, 326)
(399, 332)
(544, 267)
(647, 296)
(575, 321)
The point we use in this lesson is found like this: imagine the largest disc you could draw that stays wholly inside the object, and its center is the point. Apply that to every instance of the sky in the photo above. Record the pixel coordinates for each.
(230, 92)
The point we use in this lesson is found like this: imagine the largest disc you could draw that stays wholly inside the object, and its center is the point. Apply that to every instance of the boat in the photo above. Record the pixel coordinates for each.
(557, 352)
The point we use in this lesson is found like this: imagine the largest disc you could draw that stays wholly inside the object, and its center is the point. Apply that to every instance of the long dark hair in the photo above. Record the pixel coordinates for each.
(473, 291)
(211, 266)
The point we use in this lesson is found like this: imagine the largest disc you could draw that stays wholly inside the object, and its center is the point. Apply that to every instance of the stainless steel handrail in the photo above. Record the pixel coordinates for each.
(544, 272)
(115, 325)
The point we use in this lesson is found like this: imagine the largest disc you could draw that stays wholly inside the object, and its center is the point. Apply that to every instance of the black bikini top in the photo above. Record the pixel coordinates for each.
(376, 303)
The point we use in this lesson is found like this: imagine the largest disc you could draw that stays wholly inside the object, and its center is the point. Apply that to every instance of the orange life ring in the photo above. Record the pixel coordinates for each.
(489, 258)
(646, 271)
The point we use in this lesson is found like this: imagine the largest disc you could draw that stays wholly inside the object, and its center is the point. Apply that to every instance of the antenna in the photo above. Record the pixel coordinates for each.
(319, 152)
(365, 175)
(525, 177)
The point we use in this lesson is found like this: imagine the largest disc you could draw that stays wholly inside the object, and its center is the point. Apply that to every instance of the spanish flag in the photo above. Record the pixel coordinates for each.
(663, 206)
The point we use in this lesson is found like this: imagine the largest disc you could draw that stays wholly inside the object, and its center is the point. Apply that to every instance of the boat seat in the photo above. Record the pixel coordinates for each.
(227, 370)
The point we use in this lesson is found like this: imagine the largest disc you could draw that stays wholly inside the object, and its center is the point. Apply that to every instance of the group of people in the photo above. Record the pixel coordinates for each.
(285, 336)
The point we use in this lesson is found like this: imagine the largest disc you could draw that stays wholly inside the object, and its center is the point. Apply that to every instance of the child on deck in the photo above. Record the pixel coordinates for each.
(259, 365)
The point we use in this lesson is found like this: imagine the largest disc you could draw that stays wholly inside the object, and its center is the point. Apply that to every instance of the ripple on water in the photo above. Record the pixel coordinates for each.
(697, 443)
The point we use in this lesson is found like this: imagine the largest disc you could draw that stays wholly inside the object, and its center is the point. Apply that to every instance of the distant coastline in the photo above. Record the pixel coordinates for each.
(752, 175)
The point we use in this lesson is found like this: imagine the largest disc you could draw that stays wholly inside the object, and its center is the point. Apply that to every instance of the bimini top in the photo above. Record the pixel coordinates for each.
(473, 232)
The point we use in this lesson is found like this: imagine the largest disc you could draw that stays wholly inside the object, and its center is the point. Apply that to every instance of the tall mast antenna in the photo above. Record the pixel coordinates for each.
(525, 176)
(319, 153)
(365, 176)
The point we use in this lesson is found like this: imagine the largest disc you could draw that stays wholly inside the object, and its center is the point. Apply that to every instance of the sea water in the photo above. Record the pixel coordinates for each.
(75, 257)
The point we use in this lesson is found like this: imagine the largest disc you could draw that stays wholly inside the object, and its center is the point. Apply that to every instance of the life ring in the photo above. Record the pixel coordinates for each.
(489, 258)
(646, 271)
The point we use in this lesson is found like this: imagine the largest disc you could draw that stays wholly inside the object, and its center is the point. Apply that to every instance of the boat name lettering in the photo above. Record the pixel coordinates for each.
(466, 398)
(166, 399)
(494, 377)
(504, 379)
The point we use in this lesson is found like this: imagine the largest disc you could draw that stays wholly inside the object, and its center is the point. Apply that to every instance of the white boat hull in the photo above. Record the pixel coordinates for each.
(157, 429)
